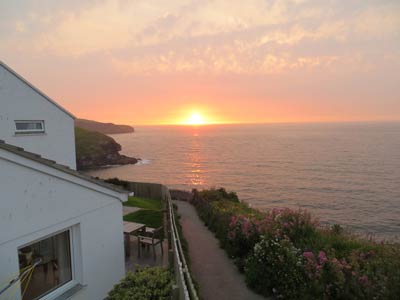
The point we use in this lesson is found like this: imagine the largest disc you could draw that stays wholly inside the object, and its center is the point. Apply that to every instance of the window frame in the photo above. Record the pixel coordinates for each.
(29, 131)
(75, 256)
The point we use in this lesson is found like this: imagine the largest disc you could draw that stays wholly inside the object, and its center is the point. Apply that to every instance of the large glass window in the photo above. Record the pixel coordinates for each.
(29, 126)
(45, 265)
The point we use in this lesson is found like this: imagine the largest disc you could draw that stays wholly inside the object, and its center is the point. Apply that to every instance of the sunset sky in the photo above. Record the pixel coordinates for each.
(160, 62)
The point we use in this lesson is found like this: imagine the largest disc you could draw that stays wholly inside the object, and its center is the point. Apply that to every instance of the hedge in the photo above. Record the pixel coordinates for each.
(288, 254)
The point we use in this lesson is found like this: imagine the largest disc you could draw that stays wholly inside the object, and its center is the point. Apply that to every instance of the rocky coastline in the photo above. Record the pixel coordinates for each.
(105, 128)
(94, 150)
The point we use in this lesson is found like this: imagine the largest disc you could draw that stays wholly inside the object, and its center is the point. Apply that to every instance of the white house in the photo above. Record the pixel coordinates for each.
(61, 233)
(30, 119)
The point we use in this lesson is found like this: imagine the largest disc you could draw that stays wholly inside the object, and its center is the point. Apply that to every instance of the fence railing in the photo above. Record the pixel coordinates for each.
(184, 288)
(182, 273)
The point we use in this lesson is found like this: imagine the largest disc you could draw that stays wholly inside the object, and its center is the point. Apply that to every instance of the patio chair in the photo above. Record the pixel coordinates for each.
(151, 239)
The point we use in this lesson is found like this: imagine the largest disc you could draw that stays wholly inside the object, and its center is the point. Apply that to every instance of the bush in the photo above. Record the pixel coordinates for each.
(144, 284)
(276, 268)
(242, 237)
(117, 181)
(287, 253)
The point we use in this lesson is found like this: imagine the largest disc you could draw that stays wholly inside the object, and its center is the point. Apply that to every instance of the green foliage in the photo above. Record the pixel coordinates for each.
(146, 203)
(89, 143)
(117, 181)
(288, 254)
(144, 284)
(218, 194)
(151, 218)
(276, 266)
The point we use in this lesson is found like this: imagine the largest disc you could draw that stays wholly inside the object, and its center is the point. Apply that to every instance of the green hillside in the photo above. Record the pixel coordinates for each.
(94, 149)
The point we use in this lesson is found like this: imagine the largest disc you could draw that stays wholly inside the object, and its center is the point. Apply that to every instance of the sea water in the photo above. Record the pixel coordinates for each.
(347, 173)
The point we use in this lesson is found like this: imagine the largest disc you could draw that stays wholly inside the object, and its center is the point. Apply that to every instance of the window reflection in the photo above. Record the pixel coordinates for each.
(45, 265)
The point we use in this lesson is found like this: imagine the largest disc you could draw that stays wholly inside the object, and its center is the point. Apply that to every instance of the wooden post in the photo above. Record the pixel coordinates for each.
(175, 292)
(127, 243)
(171, 259)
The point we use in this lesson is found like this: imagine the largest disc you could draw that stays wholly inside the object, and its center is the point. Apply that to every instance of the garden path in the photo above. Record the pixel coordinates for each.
(217, 276)
(128, 210)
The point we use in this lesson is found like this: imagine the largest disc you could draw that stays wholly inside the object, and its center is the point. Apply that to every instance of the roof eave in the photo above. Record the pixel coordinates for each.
(36, 89)
(119, 193)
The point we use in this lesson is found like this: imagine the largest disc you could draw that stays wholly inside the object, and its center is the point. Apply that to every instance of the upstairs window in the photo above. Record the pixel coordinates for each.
(29, 127)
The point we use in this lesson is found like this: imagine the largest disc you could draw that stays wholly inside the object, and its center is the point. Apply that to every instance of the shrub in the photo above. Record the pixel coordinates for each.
(287, 253)
(276, 268)
(243, 234)
(117, 181)
(144, 284)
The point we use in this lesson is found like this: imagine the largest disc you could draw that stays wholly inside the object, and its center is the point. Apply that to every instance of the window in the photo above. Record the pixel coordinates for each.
(29, 126)
(45, 265)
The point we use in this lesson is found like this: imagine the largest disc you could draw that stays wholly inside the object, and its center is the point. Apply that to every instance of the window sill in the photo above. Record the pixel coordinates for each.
(70, 292)
(29, 134)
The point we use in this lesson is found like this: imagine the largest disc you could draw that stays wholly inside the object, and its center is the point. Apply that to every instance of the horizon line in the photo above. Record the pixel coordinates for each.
(265, 123)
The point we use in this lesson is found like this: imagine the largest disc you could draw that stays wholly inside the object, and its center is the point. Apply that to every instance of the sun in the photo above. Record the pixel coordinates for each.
(195, 119)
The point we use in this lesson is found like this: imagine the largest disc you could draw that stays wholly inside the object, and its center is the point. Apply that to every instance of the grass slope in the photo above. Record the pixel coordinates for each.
(153, 204)
(151, 218)
(91, 142)
(150, 214)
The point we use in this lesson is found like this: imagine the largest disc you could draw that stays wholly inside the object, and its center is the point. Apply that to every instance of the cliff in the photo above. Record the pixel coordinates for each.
(106, 128)
(94, 149)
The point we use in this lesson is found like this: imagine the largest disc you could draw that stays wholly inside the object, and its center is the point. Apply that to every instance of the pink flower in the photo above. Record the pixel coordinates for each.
(247, 227)
(285, 225)
(322, 257)
(363, 280)
(231, 235)
(308, 255)
(233, 222)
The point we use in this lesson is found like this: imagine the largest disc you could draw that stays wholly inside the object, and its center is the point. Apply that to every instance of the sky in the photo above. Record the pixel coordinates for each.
(159, 62)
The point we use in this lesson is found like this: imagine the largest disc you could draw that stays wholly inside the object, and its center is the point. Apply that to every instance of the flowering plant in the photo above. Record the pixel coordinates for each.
(287, 254)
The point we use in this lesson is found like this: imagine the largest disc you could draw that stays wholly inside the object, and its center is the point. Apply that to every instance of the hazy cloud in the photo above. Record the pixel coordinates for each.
(259, 38)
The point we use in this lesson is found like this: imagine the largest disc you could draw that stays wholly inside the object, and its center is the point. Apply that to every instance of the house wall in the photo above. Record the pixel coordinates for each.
(18, 101)
(35, 204)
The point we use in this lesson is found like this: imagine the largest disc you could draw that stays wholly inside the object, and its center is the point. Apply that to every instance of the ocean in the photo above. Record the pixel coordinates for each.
(347, 173)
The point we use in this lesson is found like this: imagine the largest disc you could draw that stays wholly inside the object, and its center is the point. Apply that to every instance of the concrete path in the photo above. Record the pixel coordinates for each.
(217, 276)
(126, 210)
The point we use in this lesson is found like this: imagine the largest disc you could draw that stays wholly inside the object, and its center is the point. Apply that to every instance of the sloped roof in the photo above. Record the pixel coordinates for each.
(36, 89)
(51, 163)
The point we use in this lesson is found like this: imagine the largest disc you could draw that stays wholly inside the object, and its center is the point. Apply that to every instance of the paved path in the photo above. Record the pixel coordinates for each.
(217, 276)
(128, 210)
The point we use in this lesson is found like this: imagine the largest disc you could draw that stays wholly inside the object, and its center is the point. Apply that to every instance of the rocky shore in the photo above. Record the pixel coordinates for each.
(94, 149)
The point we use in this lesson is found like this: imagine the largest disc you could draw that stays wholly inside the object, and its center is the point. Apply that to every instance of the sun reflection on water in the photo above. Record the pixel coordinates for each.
(195, 161)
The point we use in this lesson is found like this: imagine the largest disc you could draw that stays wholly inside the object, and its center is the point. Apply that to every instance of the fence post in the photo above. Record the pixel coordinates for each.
(175, 292)
(171, 258)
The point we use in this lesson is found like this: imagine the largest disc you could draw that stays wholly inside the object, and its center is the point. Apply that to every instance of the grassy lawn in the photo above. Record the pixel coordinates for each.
(152, 218)
(152, 204)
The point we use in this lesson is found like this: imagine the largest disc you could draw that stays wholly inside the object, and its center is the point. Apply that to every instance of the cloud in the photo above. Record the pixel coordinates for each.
(252, 37)
(20, 27)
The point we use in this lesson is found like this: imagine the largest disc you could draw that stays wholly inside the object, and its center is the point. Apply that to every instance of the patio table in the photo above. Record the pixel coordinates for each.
(131, 228)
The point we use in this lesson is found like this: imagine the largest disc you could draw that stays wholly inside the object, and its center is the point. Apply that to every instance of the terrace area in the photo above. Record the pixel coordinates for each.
(141, 217)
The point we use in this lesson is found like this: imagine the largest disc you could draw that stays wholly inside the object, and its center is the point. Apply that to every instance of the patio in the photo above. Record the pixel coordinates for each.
(140, 215)
(146, 258)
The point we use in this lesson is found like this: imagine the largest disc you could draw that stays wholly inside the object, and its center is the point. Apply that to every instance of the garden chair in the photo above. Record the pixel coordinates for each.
(151, 238)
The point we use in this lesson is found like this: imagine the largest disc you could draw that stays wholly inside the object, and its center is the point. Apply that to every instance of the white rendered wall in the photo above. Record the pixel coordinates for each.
(18, 101)
(34, 205)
